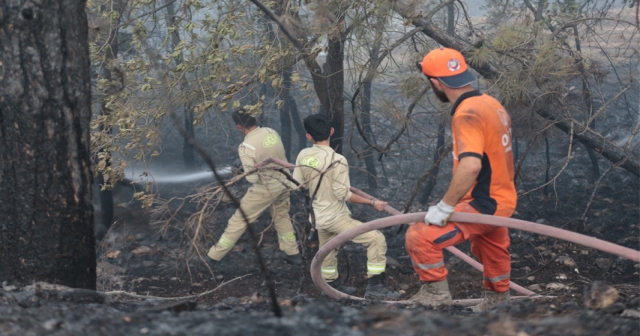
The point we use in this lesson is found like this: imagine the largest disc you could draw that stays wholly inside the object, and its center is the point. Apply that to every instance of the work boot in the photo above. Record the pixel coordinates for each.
(433, 294)
(377, 288)
(294, 259)
(213, 264)
(339, 286)
(491, 299)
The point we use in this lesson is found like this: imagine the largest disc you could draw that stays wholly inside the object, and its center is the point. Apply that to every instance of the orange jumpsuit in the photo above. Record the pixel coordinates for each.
(481, 128)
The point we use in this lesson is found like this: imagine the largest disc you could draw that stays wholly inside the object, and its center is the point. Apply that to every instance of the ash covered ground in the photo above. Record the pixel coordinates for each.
(41, 313)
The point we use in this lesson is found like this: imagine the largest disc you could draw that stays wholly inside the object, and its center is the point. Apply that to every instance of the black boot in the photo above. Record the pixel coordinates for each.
(337, 285)
(377, 288)
(295, 259)
(213, 264)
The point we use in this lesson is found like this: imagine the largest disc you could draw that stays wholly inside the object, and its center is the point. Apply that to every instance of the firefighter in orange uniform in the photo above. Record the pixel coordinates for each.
(482, 183)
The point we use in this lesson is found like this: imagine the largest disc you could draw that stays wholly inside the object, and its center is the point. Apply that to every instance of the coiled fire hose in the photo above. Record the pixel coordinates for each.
(398, 218)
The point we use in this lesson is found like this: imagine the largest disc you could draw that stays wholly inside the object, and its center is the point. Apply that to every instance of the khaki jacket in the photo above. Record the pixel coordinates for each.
(329, 204)
(260, 144)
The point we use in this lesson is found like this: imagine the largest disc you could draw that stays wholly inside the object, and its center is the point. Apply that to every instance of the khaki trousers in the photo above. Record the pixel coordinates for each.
(254, 203)
(373, 240)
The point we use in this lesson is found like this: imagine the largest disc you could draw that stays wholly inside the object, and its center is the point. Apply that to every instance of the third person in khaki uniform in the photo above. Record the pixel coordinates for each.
(332, 216)
(268, 190)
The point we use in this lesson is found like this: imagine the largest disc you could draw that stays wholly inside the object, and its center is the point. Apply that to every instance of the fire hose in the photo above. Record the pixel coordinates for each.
(398, 219)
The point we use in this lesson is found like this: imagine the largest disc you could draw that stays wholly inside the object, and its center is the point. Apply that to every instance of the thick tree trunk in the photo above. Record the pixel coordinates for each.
(46, 228)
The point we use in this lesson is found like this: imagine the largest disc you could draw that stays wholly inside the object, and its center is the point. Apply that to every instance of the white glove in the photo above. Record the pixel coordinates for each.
(438, 214)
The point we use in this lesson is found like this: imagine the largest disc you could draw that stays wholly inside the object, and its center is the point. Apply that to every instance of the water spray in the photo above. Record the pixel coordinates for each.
(169, 178)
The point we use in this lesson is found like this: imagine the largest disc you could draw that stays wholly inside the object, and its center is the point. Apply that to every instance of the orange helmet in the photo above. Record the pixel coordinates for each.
(449, 66)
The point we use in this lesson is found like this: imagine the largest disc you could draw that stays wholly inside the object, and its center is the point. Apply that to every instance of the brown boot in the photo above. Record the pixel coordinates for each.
(433, 294)
(490, 300)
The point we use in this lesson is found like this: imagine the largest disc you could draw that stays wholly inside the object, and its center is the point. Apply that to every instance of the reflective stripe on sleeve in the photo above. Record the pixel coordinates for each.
(226, 243)
(499, 278)
(291, 236)
(376, 268)
(428, 266)
(248, 146)
(330, 270)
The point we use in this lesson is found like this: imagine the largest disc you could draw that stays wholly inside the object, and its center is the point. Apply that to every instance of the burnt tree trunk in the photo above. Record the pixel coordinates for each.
(516, 150)
(335, 62)
(290, 116)
(46, 231)
(433, 179)
(369, 152)
(547, 174)
(188, 153)
(297, 124)
(111, 54)
(431, 183)
(285, 115)
(329, 83)
(324, 72)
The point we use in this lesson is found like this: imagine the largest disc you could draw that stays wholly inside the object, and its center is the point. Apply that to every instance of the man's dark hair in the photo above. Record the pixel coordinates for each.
(419, 66)
(318, 126)
(240, 117)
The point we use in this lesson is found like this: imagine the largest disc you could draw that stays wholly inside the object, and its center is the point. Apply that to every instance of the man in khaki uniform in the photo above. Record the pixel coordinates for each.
(268, 190)
(330, 209)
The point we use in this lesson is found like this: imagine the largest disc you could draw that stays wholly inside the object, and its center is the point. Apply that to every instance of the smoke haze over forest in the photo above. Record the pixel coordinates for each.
(106, 181)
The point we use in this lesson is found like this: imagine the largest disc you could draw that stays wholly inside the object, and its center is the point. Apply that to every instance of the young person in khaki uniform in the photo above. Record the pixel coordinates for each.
(330, 209)
(268, 190)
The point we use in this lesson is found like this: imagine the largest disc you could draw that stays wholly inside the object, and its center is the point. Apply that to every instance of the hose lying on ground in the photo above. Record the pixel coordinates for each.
(464, 218)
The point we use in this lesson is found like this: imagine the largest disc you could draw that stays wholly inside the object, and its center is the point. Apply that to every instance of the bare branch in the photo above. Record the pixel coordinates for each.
(566, 163)
(167, 4)
(137, 296)
(275, 18)
(404, 125)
